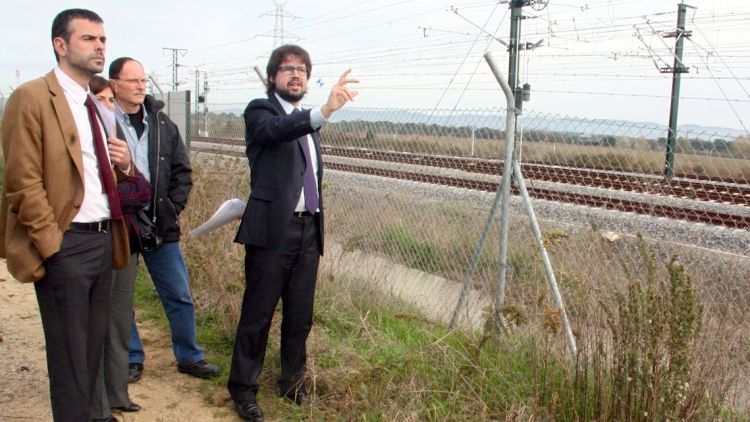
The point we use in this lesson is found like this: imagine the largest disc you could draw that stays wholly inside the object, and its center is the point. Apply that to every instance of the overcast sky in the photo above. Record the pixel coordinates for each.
(593, 59)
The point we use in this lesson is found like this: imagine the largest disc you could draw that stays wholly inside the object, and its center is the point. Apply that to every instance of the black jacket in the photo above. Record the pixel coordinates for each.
(171, 175)
(277, 168)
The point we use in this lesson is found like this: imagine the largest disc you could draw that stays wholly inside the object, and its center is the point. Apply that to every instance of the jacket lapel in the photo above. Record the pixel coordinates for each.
(276, 104)
(280, 109)
(66, 121)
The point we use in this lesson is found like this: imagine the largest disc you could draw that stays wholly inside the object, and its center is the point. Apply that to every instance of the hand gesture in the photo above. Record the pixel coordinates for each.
(119, 153)
(339, 95)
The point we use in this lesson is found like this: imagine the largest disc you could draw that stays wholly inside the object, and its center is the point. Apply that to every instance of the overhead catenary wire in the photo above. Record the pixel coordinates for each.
(424, 63)
(731, 106)
(437, 104)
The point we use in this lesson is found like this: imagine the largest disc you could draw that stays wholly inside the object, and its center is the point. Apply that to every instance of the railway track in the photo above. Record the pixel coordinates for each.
(687, 189)
(683, 188)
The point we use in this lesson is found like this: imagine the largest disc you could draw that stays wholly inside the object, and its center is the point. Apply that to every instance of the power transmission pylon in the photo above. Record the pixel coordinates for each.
(175, 65)
(278, 29)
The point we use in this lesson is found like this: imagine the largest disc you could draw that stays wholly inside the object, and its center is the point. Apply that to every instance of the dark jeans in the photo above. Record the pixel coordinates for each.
(169, 274)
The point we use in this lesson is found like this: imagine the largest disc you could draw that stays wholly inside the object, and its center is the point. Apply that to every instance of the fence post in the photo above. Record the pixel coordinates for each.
(510, 131)
(511, 168)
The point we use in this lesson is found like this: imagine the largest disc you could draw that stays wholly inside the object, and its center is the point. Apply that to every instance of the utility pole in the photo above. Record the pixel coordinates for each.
(678, 69)
(205, 103)
(197, 96)
(521, 94)
(175, 65)
(516, 15)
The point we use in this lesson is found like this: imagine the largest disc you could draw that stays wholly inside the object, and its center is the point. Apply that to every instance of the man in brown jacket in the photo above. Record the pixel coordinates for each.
(60, 221)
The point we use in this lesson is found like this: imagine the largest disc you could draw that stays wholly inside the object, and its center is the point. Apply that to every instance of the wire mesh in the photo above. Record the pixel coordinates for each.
(407, 194)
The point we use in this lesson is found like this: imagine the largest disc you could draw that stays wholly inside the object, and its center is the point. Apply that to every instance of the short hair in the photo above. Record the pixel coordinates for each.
(61, 24)
(98, 84)
(116, 66)
(277, 56)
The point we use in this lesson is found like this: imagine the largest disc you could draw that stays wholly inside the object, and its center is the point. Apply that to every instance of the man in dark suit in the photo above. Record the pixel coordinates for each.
(282, 228)
(61, 225)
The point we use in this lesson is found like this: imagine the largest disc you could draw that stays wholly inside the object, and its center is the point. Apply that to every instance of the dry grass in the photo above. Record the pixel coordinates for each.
(372, 355)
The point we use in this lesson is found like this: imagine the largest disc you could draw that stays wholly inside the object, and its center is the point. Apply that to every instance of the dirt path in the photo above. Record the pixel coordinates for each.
(164, 394)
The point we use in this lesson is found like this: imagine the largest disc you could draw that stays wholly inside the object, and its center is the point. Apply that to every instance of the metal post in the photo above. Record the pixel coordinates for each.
(477, 255)
(516, 15)
(678, 69)
(473, 129)
(512, 170)
(197, 97)
(205, 103)
(551, 280)
(510, 130)
(261, 75)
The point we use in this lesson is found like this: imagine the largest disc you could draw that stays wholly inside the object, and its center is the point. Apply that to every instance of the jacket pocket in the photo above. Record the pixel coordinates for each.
(263, 193)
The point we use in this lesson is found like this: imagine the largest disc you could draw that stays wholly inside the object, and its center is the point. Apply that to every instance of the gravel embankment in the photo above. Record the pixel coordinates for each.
(733, 241)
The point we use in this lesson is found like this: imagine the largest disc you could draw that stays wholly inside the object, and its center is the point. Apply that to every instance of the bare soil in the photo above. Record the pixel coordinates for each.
(163, 393)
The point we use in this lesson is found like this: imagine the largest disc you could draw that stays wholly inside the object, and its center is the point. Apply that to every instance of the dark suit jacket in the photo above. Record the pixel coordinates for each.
(277, 168)
(43, 179)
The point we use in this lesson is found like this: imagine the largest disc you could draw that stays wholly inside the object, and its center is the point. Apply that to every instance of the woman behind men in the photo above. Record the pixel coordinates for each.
(111, 391)
(103, 92)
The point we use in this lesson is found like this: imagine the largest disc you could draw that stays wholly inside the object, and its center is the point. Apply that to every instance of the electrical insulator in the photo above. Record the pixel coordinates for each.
(526, 92)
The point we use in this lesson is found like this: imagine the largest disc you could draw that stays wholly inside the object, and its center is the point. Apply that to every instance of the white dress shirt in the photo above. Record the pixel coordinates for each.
(316, 121)
(95, 206)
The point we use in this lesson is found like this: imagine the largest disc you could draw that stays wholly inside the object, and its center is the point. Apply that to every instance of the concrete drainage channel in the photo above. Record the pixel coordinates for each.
(433, 295)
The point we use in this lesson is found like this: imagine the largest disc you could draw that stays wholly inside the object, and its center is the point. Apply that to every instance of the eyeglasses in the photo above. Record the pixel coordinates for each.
(132, 81)
(289, 70)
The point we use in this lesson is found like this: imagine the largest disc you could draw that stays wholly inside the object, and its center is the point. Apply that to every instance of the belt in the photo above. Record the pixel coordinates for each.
(97, 226)
(300, 214)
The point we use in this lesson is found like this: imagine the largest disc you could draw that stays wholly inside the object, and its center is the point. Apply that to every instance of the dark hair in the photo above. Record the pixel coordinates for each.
(116, 66)
(277, 56)
(61, 24)
(98, 84)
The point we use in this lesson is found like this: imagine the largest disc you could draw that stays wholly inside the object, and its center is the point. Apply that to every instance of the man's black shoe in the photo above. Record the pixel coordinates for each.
(132, 407)
(297, 395)
(249, 410)
(200, 369)
(135, 371)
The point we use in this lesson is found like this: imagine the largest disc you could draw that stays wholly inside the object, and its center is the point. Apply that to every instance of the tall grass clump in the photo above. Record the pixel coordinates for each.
(655, 328)
(214, 261)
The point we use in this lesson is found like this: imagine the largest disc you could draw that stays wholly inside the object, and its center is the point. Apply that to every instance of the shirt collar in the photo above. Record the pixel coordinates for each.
(71, 87)
(288, 107)
(126, 117)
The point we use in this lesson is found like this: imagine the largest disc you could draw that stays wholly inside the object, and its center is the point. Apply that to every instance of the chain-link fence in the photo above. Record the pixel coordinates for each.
(408, 193)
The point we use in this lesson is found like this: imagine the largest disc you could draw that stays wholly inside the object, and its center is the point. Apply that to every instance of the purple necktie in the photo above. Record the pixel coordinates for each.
(105, 170)
(310, 187)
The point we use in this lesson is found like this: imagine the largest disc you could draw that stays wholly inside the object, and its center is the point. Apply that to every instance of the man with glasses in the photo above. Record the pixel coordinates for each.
(160, 154)
(282, 228)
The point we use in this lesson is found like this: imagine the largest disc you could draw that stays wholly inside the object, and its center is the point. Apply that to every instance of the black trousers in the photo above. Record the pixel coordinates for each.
(288, 273)
(73, 299)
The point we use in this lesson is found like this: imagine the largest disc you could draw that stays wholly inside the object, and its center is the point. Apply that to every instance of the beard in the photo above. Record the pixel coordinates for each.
(290, 96)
